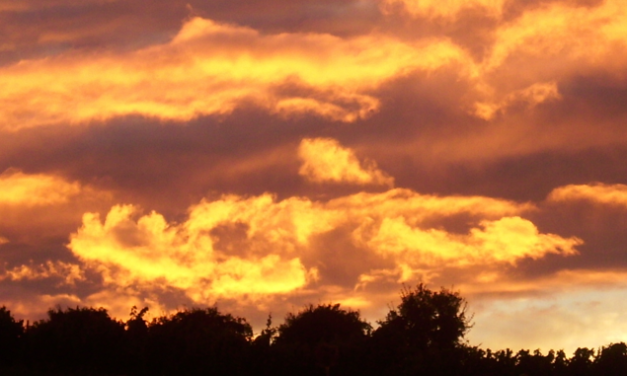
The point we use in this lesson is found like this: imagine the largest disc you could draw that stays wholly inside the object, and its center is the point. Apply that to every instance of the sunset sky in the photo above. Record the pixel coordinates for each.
(263, 155)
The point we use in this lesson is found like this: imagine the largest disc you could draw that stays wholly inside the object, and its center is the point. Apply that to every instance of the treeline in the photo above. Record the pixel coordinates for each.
(423, 335)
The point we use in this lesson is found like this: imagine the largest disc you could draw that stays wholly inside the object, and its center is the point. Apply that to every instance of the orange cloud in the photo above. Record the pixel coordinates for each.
(17, 188)
(417, 208)
(575, 33)
(211, 68)
(446, 9)
(505, 240)
(70, 273)
(30, 307)
(548, 44)
(118, 302)
(150, 251)
(325, 160)
(531, 96)
(36, 207)
(563, 281)
(529, 55)
(255, 247)
(615, 195)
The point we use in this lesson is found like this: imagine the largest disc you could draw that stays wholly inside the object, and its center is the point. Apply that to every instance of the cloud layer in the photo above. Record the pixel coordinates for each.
(268, 155)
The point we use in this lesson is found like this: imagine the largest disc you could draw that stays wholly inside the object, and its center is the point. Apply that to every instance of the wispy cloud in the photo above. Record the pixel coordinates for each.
(615, 195)
(18, 188)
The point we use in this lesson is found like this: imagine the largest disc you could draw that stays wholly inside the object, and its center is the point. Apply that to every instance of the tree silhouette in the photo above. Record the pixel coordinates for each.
(11, 332)
(581, 362)
(535, 364)
(560, 364)
(612, 360)
(423, 333)
(137, 339)
(318, 339)
(81, 340)
(198, 341)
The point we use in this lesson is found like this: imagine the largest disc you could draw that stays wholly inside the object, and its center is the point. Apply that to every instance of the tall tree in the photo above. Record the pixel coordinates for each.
(423, 333)
(324, 339)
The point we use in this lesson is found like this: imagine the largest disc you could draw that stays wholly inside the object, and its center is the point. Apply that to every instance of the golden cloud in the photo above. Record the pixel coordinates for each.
(418, 208)
(547, 44)
(69, 273)
(211, 68)
(532, 53)
(531, 96)
(36, 207)
(506, 240)
(17, 188)
(446, 9)
(150, 251)
(254, 247)
(575, 33)
(615, 195)
(325, 160)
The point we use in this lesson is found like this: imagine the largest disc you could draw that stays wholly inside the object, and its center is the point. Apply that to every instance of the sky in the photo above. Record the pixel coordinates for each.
(263, 155)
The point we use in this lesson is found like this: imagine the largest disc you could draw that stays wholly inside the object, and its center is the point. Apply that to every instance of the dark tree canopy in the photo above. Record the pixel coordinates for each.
(78, 339)
(326, 323)
(427, 318)
(422, 334)
(199, 341)
(612, 360)
(11, 332)
(320, 338)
